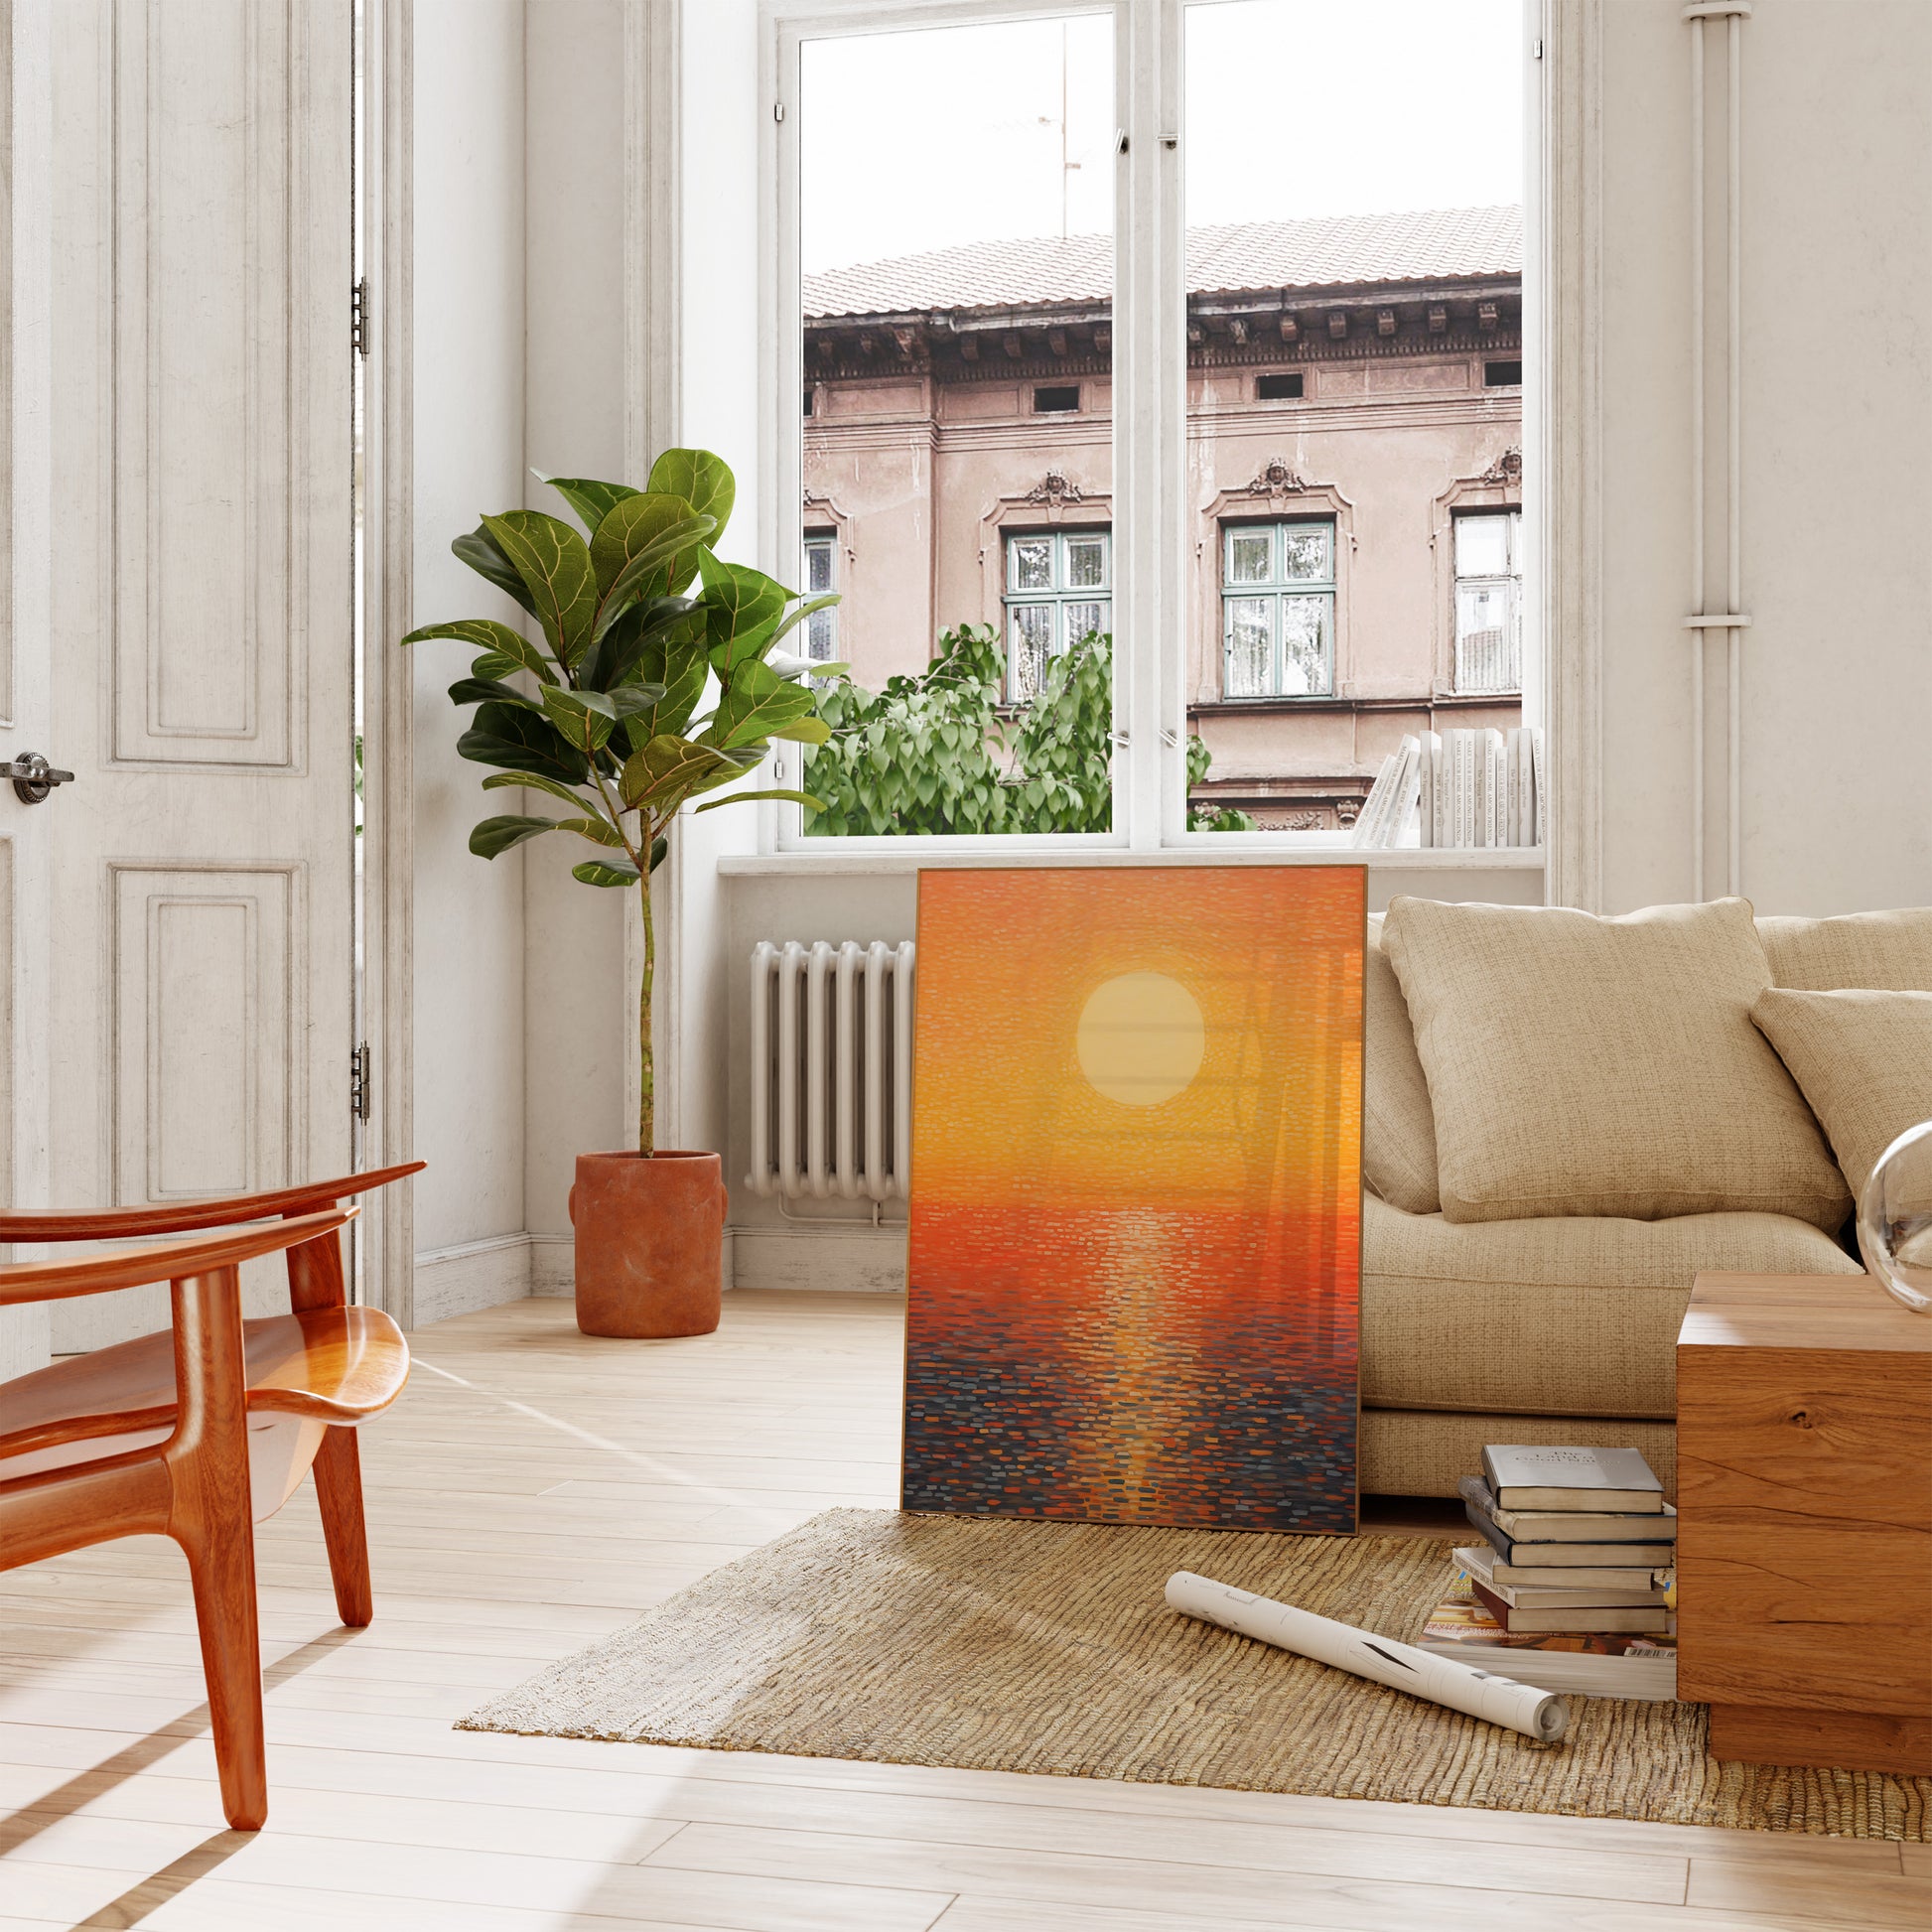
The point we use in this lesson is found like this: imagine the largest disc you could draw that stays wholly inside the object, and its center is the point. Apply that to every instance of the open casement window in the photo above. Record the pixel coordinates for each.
(1278, 609)
(1488, 602)
(1057, 592)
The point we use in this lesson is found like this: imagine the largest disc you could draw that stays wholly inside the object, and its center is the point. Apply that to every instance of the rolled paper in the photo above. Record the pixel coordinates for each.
(1401, 1666)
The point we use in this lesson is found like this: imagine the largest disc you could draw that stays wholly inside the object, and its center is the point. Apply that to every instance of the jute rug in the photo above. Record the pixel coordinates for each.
(1046, 1647)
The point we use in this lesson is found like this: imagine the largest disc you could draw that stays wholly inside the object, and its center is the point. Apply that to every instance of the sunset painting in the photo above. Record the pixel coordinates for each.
(1135, 1253)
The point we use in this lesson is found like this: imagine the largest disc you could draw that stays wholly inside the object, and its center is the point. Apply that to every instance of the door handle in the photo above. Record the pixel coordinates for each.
(33, 776)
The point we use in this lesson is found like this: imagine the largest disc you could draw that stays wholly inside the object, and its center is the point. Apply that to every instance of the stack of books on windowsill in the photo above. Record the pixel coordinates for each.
(1575, 1576)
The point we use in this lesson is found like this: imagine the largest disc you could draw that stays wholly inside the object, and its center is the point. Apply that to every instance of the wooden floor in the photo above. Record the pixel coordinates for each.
(531, 1493)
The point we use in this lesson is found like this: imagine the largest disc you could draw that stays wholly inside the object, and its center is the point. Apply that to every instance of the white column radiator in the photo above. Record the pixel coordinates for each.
(832, 1070)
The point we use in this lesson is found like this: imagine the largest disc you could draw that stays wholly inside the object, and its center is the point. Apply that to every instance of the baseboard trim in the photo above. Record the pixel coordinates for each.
(553, 1263)
(864, 1260)
(474, 1275)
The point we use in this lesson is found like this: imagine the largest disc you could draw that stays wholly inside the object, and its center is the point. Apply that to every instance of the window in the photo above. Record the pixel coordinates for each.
(807, 410)
(1502, 375)
(1279, 388)
(1057, 592)
(821, 575)
(1488, 601)
(1056, 400)
(1278, 609)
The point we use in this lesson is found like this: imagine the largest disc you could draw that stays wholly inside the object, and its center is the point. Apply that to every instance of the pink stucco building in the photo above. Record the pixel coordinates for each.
(1355, 479)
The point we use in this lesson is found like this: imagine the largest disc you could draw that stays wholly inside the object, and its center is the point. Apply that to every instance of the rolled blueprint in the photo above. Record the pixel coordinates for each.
(1462, 1687)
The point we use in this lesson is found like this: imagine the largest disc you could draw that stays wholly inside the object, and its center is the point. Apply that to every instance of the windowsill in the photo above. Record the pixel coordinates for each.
(860, 858)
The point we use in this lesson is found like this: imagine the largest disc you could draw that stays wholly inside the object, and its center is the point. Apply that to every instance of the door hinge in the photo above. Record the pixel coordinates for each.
(360, 1083)
(359, 318)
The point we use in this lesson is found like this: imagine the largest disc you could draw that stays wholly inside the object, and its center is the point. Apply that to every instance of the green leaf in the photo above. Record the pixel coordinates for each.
(554, 562)
(746, 798)
(496, 638)
(670, 769)
(742, 610)
(522, 741)
(805, 730)
(598, 829)
(592, 501)
(585, 717)
(497, 835)
(636, 524)
(650, 571)
(659, 849)
(799, 616)
(607, 872)
(479, 550)
(756, 704)
(704, 480)
(485, 690)
(538, 782)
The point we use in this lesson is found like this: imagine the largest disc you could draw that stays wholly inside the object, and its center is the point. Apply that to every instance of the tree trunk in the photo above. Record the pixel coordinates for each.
(647, 1065)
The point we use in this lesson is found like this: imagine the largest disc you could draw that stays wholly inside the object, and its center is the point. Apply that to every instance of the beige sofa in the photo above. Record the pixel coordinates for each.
(1559, 1329)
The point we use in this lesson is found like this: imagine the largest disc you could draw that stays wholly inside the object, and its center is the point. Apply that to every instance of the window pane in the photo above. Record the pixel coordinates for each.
(1308, 553)
(1353, 187)
(956, 246)
(1084, 619)
(1030, 562)
(818, 567)
(822, 637)
(1481, 546)
(1251, 651)
(1488, 655)
(1305, 645)
(1086, 563)
(1250, 556)
(1029, 646)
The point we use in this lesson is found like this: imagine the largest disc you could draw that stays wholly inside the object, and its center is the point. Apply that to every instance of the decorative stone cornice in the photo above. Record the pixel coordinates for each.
(1054, 490)
(1275, 480)
(1506, 473)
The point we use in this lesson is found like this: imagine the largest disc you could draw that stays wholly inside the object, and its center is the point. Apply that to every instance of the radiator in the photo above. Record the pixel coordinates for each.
(832, 1070)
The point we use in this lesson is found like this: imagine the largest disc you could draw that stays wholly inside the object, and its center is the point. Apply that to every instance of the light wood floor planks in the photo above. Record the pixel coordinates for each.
(531, 1493)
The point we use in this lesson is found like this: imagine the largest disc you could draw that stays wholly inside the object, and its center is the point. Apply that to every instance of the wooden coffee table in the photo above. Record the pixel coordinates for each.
(1804, 1495)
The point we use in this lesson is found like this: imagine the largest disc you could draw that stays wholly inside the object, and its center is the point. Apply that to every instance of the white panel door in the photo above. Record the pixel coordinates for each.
(200, 1007)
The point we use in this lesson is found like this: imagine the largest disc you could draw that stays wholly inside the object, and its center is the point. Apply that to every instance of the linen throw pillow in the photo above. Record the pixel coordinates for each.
(1865, 1061)
(1585, 1065)
(1856, 949)
(1398, 1128)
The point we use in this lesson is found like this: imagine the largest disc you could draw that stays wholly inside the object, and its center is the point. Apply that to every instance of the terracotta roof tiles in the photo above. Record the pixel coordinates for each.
(1328, 251)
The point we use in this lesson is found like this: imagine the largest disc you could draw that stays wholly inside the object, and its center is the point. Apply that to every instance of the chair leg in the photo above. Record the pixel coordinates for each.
(221, 1565)
(339, 1489)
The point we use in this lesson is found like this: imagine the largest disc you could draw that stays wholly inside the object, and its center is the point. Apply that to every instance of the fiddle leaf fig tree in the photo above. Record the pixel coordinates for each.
(659, 678)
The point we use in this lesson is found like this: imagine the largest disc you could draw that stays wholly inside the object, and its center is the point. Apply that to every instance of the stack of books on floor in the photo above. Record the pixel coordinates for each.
(1575, 1576)
(1469, 789)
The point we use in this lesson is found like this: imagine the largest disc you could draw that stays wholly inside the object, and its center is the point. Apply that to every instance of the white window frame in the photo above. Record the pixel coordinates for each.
(1059, 596)
(1151, 549)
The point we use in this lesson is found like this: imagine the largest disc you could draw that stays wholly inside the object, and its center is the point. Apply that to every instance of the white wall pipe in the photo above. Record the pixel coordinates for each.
(1731, 620)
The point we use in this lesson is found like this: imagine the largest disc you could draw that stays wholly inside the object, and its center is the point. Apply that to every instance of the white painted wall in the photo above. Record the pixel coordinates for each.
(572, 426)
(469, 982)
(1836, 423)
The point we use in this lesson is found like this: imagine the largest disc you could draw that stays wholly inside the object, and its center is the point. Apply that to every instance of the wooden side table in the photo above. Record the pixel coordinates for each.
(1804, 1537)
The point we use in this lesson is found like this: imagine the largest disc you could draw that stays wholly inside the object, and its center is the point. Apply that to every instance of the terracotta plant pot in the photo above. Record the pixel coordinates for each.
(650, 1238)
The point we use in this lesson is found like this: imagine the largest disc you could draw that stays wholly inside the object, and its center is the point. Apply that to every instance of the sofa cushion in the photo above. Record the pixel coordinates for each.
(1863, 1061)
(1563, 1316)
(1585, 1065)
(1878, 949)
(1398, 1128)
(1425, 1451)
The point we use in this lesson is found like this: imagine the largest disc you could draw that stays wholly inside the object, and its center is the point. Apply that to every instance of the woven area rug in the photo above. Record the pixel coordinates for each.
(998, 1645)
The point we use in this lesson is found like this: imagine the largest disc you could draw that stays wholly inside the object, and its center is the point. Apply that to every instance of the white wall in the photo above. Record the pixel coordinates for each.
(468, 400)
(1835, 422)
(574, 402)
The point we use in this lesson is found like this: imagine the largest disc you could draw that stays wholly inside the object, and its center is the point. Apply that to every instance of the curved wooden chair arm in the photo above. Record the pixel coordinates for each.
(56, 1281)
(183, 1217)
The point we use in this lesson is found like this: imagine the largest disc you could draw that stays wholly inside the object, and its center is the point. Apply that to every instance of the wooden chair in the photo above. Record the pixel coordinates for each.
(198, 1433)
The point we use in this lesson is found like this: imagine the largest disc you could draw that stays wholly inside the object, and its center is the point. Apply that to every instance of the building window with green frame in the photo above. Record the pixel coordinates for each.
(1278, 609)
(1059, 590)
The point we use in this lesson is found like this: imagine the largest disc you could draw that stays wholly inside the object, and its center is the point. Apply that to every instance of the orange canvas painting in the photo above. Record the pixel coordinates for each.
(1135, 1253)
